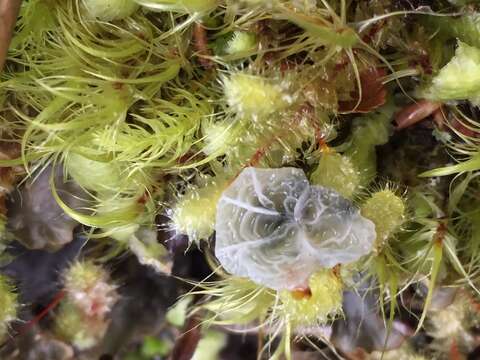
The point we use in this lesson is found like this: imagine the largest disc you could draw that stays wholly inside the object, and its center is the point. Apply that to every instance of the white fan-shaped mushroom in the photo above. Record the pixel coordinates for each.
(275, 228)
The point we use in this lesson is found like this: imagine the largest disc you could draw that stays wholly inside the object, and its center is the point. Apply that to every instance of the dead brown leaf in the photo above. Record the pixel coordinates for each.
(373, 93)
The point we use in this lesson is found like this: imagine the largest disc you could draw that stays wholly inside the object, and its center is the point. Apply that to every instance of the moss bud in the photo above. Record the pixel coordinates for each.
(255, 96)
(194, 214)
(241, 41)
(387, 211)
(336, 172)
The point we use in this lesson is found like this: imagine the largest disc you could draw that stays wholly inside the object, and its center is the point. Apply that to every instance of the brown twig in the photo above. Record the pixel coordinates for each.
(8, 16)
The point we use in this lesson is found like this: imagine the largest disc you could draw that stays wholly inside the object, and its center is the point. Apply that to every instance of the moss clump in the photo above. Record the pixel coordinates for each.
(336, 172)
(465, 28)
(194, 214)
(460, 78)
(83, 315)
(241, 41)
(255, 96)
(88, 287)
(72, 325)
(8, 304)
(247, 301)
(83, 275)
(317, 304)
(387, 211)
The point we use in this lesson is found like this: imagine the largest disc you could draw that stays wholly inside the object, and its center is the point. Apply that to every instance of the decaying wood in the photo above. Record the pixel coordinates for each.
(8, 16)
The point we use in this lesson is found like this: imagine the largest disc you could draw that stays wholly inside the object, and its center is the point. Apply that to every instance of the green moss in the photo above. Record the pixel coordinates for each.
(177, 314)
(72, 326)
(255, 96)
(247, 301)
(240, 42)
(108, 10)
(320, 303)
(387, 211)
(322, 30)
(83, 275)
(8, 304)
(465, 28)
(368, 132)
(460, 78)
(210, 345)
(36, 18)
(337, 172)
(195, 212)
(188, 6)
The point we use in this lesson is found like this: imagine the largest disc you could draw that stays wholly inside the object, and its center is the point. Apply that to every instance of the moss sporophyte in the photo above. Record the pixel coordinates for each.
(311, 150)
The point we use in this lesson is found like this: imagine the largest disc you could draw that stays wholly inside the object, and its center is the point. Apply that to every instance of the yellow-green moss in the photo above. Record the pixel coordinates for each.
(83, 275)
(387, 211)
(336, 172)
(318, 304)
(72, 326)
(194, 214)
(250, 95)
(8, 304)
(241, 41)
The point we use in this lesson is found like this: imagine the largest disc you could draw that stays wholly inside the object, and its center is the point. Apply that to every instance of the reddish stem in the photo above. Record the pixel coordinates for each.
(56, 300)
(454, 351)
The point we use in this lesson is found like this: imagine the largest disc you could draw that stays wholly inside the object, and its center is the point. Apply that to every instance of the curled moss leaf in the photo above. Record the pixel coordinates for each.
(108, 10)
(182, 6)
(276, 229)
(95, 175)
(35, 18)
(322, 30)
(248, 301)
(149, 251)
(178, 313)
